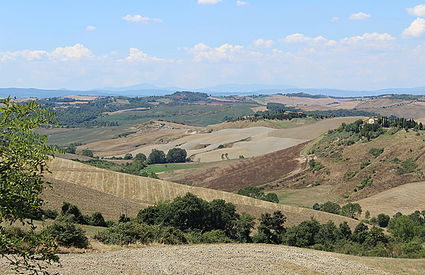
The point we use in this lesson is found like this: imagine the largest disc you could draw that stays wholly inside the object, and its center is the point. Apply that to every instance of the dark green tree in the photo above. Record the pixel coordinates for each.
(156, 156)
(176, 155)
(140, 157)
(352, 210)
(383, 220)
(97, 219)
(271, 228)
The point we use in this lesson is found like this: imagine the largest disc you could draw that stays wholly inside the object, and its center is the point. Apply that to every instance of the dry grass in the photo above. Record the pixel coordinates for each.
(406, 199)
(149, 191)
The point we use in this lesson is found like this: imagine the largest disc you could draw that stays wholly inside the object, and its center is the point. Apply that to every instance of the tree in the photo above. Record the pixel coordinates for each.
(271, 228)
(176, 155)
(331, 207)
(244, 225)
(97, 219)
(351, 210)
(156, 156)
(140, 157)
(24, 156)
(383, 220)
(87, 153)
(128, 156)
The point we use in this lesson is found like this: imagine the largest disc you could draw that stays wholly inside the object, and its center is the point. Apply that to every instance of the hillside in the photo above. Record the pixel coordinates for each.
(406, 198)
(149, 191)
(354, 170)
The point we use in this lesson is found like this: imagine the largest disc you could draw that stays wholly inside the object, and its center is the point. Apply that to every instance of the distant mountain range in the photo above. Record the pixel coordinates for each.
(220, 90)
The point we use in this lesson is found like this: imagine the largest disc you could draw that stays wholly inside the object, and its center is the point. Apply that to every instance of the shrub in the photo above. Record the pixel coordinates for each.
(140, 157)
(376, 152)
(50, 214)
(87, 153)
(351, 210)
(128, 156)
(364, 164)
(407, 166)
(67, 234)
(215, 236)
(97, 219)
(257, 193)
(365, 182)
(330, 207)
(73, 211)
(315, 165)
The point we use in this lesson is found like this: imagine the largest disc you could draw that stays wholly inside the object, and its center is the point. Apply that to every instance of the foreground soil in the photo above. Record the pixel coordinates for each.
(211, 259)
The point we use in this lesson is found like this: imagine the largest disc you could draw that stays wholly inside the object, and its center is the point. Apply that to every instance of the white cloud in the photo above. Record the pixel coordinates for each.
(137, 55)
(419, 10)
(335, 19)
(416, 29)
(301, 38)
(60, 53)
(224, 52)
(375, 37)
(137, 18)
(90, 28)
(241, 3)
(71, 52)
(263, 43)
(25, 54)
(360, 16)
(208, 2)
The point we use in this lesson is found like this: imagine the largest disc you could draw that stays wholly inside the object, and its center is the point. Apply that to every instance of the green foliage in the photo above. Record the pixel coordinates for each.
(302, 235)
(402, 228)
(140, 157)
(257, 193)
(156, 156)
(365, 183)
(24, 156)
(383, 220)
(364, 164)
(243, 228)
(407, 166)
(376, 152)
(192, 213)
(352, 210)
(352, 174)
(73, 213)
(176, 155)
(330, 207)
(97, 219)
(87, 153)
(128, 156)
(133, 232)
(67, 234)
(271, 228)
(315, 165)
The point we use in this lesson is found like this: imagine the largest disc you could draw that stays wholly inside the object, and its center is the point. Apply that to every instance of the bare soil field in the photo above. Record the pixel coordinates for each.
(406, 199)
(212, 259)
(147, 191)
(209, 144)
(251, 172)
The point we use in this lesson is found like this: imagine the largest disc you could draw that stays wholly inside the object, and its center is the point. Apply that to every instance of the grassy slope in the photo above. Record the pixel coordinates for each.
(149, 191)
(382, 170)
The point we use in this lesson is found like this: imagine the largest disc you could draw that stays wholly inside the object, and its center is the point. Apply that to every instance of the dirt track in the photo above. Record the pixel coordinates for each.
(211, 259)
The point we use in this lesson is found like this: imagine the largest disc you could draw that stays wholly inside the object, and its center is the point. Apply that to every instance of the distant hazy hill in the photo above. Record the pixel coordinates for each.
(220, 90)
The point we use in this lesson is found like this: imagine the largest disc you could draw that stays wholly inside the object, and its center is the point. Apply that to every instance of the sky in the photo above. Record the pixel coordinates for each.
(82, 45)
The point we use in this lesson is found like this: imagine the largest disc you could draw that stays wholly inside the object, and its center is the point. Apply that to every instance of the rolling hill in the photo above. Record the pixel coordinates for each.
(147, 191)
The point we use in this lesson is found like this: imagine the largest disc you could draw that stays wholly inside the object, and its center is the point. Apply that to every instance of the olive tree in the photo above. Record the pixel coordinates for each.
(23, 160)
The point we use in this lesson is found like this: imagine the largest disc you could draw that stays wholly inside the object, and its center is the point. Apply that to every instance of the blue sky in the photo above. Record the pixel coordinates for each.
(197, 43)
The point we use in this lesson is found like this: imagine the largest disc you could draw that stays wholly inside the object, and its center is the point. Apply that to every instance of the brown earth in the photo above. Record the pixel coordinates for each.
(147, 191)
(213, 259)
(251, 172)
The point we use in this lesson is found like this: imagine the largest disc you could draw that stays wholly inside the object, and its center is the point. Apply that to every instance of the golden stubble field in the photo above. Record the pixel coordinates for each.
(147, 191)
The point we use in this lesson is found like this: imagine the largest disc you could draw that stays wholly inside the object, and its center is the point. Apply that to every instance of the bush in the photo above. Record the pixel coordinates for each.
(140, 157)
(73, 211)
(352, 210)
(67, 234)
(257, 193)
(87, 153)
(128, 156)
(364, 164)
(315, 165)
(50, 214)
(176, 155)
(97, 219)
(376, 152)
(407, 166)
(132, 232)
(215, 236)
(330, 207)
